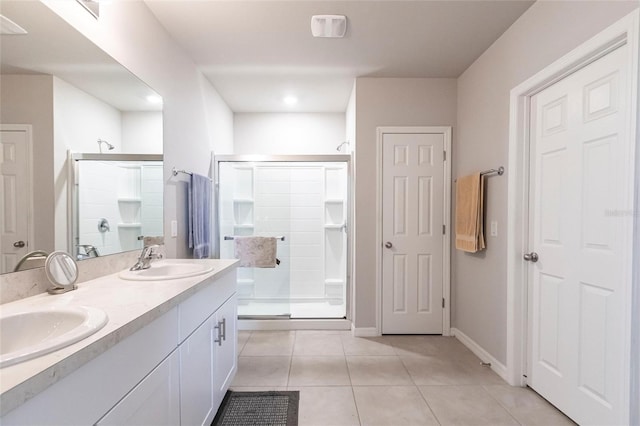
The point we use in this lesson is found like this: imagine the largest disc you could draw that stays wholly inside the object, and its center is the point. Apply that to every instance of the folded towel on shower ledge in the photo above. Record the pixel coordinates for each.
(256, 252)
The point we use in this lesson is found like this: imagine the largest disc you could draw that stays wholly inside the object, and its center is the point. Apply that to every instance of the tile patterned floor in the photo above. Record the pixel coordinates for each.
(386, 381)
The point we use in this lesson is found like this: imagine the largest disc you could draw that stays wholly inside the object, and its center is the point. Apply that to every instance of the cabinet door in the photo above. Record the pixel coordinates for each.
(196, 375)
(155, 401)
(226, 350)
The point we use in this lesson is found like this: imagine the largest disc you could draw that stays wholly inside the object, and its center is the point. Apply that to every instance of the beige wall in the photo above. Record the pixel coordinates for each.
(288, 133)
(28, 99)
(131, 34)
(386, 102)
(544, 33)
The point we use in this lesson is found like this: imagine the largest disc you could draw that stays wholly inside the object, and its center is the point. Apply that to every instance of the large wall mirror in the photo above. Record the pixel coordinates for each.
(80, 144)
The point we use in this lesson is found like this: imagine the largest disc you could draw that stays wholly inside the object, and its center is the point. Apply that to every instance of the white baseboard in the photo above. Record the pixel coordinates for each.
(294, 324)
(499, 368)
(364, 331)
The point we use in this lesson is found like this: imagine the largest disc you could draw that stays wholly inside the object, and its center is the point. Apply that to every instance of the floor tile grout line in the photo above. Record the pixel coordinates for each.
(355, 403)
(428, 405)
(500, 404)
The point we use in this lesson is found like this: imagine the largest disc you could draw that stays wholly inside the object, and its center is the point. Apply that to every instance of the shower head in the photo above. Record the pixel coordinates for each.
(339, 148)
(102, 141)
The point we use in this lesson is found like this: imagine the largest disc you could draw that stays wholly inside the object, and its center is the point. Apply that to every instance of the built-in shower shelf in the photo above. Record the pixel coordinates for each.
(246, 226)
(129, 225)
(334, 201)
(334, 225)
(129, 200)
(243, 200)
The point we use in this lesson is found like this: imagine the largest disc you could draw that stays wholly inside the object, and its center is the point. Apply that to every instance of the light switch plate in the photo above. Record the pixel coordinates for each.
(174, 228)
(494, 228)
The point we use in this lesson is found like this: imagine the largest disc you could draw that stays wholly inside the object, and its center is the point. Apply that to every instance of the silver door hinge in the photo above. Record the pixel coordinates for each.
(443, 302)
(444, 155)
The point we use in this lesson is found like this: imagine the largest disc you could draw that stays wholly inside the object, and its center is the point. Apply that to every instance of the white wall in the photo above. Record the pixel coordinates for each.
(386, 102)
(28, 99)
(219, 121)
(141, 132)
(130, 33)
(288, 133)
(350, 123)
(544, 33)
(79, 121)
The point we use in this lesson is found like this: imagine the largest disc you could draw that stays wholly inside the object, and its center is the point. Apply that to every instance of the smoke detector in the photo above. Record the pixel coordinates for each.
(332, 26)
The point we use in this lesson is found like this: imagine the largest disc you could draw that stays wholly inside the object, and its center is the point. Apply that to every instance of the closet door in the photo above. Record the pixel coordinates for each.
(580, 177)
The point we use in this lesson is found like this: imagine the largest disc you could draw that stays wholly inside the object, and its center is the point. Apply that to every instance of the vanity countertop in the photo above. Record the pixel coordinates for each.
(130, 305)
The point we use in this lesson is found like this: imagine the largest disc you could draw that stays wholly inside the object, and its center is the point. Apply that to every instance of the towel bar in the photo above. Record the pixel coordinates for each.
(499, 171)
(227, 237)
(175, 172)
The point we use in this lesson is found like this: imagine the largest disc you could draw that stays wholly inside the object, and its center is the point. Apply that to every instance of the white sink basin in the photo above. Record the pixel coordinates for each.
(168, 269)
(29, 334)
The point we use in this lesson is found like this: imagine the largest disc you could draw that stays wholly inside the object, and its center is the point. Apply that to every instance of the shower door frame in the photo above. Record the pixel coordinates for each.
(245, 158)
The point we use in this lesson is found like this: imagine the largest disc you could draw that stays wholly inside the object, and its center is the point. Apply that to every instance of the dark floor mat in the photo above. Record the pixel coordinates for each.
(258, 409)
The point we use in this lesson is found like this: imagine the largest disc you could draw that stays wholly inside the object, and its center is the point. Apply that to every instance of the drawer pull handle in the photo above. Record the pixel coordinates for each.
(219, 339)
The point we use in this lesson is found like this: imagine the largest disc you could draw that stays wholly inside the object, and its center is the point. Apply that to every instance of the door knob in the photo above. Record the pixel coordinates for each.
(388, 244)
(19, 244)
(531, 257)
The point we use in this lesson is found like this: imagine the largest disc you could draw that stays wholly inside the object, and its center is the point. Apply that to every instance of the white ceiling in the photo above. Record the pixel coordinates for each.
(255, 52)
(54, 47)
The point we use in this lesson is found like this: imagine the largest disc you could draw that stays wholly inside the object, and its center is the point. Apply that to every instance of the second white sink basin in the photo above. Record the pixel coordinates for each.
(168, 269)
(29, 334)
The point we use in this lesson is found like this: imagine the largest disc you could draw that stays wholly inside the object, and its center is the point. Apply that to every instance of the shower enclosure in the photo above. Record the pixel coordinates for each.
(116, 200)
(303, 199)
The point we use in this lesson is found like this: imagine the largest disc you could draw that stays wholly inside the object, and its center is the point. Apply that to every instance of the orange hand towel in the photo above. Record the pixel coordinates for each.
(469, 213)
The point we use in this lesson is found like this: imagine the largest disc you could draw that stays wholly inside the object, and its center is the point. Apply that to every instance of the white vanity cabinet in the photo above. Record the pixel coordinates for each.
(208, 360)
(173, 371)
(155, 401)
(226, 359)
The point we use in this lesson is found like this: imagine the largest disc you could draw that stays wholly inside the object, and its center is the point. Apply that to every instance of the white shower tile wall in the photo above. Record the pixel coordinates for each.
(303, 202)
(97, 199)
(133, 207)
(151, 202)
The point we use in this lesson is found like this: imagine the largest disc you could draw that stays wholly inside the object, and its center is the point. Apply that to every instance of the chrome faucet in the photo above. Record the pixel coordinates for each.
(146, 256)
(89, 251)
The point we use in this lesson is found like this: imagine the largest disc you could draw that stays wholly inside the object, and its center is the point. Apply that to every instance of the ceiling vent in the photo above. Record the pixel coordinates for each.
(8, 27)
(332, 26)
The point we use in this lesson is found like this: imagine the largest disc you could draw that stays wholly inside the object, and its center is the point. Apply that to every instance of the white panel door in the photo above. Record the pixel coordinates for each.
(14, 198)
(580, 179)
(413, 219)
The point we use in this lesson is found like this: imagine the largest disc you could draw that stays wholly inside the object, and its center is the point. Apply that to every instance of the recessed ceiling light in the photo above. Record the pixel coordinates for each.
(290, 100)
(154, 99)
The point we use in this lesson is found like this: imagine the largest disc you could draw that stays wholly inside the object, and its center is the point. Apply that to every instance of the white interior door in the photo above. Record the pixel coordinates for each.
(581, 229)
(15, 195)
(412, 232)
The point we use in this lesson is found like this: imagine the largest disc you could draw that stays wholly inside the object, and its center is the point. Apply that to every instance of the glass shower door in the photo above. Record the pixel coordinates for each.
(254, 200)
(306, 203)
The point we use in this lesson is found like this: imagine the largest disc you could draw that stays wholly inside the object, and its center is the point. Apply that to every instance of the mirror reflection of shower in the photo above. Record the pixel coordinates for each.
(339, 148)
(116, 202)
(102, 141)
